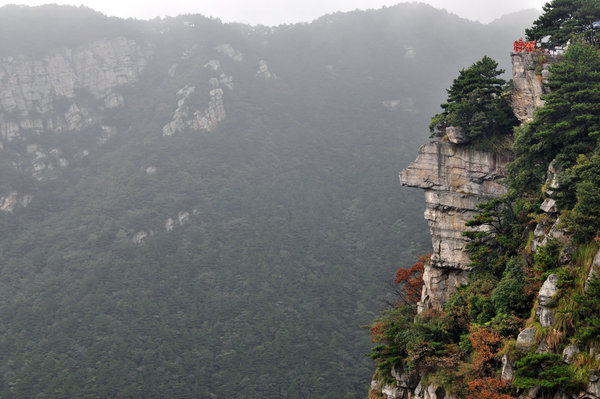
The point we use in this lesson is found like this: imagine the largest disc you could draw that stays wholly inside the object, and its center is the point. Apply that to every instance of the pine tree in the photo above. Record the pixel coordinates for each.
(563, 19)
(476, 103)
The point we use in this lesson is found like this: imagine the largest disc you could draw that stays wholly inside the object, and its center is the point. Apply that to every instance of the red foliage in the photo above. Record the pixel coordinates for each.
(410, 280)
(488, 388)
(377, 332)
(486, 344)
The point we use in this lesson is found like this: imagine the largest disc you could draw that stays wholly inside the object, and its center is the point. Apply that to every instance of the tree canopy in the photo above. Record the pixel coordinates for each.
(476, 102)
(563, 20)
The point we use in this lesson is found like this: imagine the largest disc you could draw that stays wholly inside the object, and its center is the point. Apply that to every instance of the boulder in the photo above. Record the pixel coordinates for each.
(570, 353)
(549, 289)
(457, 135)
(526, 339)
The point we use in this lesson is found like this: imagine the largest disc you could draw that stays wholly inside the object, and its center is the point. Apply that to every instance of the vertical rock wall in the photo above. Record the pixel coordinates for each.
(455, 178)
(530, 71)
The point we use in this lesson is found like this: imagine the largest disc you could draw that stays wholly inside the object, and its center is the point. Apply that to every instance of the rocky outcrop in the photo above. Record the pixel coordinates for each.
(9, 203)
(455, 179)
(545, 313)
(530, 71)
(264, 72)
(41, 94)
(185, 117)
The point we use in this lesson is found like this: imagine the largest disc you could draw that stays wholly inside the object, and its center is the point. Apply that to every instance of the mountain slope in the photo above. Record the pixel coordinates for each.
(221, 222)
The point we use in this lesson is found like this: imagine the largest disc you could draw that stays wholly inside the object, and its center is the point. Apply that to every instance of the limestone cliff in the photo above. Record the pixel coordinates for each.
(40, 94)
(67, 90)
(530, 71)
(455, 178)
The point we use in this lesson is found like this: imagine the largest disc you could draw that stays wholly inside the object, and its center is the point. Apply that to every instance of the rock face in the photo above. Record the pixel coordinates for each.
(545, 313)
(41, 92)
(455, 178)
(457, 135)
(530, 71)
(65, 91)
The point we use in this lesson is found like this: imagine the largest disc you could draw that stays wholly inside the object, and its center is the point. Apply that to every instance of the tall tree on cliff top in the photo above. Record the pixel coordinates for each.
(563, 19)
(476, 103)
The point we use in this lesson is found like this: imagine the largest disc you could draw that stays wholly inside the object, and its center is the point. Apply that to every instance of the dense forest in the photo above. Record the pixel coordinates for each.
(286, 219)
(527, 322)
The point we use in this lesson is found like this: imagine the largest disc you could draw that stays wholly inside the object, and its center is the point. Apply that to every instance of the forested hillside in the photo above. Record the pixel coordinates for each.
(198, 209)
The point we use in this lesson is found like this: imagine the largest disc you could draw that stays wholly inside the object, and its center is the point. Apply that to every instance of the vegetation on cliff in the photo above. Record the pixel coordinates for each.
(554, 185)
(563, 20)
(478, 102)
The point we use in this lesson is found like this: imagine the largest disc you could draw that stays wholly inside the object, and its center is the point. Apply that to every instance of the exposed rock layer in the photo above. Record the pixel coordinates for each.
(455, 178)
(38, 94)
(530, 71)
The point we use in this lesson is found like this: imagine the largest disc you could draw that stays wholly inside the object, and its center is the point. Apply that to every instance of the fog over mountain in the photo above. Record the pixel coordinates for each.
(193, 209)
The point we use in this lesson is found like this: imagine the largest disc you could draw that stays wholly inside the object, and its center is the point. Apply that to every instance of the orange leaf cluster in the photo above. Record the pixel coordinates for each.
(377, 332)
(488, 388)
(486, 344)
(411, 280)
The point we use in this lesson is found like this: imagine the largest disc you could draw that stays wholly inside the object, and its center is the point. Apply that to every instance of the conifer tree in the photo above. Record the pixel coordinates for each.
(476, 102)
(562, 20)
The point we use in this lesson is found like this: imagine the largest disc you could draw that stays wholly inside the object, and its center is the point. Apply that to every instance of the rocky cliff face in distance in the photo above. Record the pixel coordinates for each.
(39, 94)
(455, 178)
(65, 91)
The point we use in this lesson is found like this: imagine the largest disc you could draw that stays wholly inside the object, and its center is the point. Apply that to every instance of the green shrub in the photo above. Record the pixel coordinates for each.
(508, 297)
(544, 370)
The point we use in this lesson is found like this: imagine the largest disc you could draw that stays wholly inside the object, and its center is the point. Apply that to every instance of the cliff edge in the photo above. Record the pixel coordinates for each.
(455, 178)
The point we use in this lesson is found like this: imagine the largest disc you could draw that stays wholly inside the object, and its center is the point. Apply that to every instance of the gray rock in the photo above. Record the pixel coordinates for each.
(455, 179)
(531, 394)
(526, 339)
(139, 237)
(549, 206)
(391, 392)
(593, 387)
(570, 353)
(562, 395)
(438, 285)
(434, 391)
(457, 135)
(13, 200)
(566, 255)
(185, 117)
(404, 378)
(594, 270)
(508, 370)
(169, 224)
(543, 348)
(549, 289)
(31, 86)
(528, 88)
(552, 177)
(545, 316)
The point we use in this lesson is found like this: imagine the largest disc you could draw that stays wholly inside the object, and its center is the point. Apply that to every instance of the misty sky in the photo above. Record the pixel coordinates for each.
(275, 12)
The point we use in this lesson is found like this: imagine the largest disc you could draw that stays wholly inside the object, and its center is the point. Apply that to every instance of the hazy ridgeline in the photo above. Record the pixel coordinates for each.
(287, 219)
